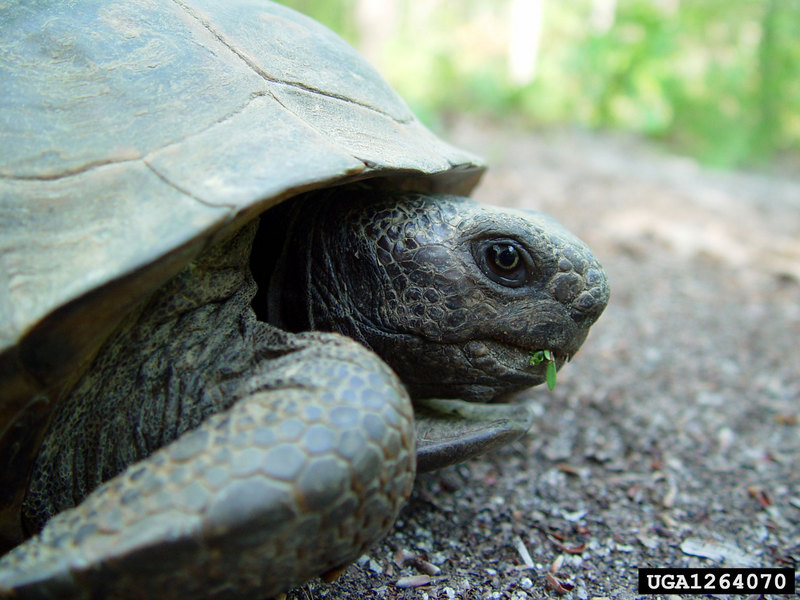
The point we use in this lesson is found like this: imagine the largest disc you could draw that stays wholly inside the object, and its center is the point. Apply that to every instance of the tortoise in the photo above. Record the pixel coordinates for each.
(243, 299)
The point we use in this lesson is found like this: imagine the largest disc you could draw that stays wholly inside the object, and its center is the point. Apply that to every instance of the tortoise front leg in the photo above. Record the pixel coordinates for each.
(298, 477)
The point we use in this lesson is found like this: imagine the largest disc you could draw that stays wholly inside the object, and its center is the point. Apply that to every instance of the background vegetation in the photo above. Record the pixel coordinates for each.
(717, 79)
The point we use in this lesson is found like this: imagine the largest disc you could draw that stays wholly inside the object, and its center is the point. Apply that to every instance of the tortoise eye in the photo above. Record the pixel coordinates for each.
(503, 261)
(504, 257)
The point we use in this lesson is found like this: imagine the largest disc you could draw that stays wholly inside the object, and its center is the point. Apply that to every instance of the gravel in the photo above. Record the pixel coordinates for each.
(673, 438)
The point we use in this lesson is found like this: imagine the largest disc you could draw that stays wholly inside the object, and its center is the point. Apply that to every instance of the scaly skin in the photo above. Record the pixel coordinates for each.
(310, 437)
(288, 483)
(407, 276)
(240, 459)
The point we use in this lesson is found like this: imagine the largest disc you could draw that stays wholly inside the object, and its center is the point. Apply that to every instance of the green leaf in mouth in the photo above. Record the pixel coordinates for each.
(540, 356)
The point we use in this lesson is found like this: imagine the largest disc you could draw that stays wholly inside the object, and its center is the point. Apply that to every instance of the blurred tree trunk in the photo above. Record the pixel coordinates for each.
(769, 91)
(602, 16)
(523, 47)
(377, 22)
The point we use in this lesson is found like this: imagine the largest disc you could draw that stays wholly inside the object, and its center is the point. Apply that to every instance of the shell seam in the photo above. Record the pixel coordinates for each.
(89, 166)
(296, 84)
(367, 164)
(185, 192)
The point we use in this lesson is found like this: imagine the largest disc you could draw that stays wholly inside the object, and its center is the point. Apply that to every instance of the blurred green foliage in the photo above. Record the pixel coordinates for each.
(718, 79)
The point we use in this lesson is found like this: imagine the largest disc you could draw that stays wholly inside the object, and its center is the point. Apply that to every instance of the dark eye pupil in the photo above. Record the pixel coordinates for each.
(505, 257)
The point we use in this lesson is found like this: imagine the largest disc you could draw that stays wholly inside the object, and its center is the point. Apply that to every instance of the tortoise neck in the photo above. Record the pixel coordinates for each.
(295, 263)
(280, 267)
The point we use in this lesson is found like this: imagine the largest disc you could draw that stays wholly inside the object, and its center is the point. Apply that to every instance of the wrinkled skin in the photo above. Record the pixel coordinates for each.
(241, 457)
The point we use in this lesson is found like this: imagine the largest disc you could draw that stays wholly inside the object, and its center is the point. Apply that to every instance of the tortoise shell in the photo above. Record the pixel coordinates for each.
(134, 134)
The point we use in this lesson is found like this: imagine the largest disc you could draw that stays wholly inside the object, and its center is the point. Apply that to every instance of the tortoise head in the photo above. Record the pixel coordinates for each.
(452, 294)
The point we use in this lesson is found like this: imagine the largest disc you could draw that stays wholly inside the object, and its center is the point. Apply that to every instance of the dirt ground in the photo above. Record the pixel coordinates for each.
(673, 437)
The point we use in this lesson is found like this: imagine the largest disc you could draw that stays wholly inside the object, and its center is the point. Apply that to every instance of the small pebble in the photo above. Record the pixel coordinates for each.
(413, 581)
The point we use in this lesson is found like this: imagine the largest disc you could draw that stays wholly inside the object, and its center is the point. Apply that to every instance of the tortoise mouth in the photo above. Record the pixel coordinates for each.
(485, 370)
(512, 362)
(510, 358)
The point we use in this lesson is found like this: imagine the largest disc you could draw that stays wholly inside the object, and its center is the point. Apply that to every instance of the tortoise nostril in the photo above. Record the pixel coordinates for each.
(596, 278)
(566, 286)
(580, 284)
(589, 305)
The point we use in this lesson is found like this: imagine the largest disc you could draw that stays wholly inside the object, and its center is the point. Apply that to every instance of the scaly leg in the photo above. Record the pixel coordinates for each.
(298, 477)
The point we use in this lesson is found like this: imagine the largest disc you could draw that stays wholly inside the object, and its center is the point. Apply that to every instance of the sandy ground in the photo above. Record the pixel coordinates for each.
(672, 439)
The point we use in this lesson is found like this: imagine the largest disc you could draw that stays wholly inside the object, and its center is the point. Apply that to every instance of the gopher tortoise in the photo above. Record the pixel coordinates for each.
(242, 299)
